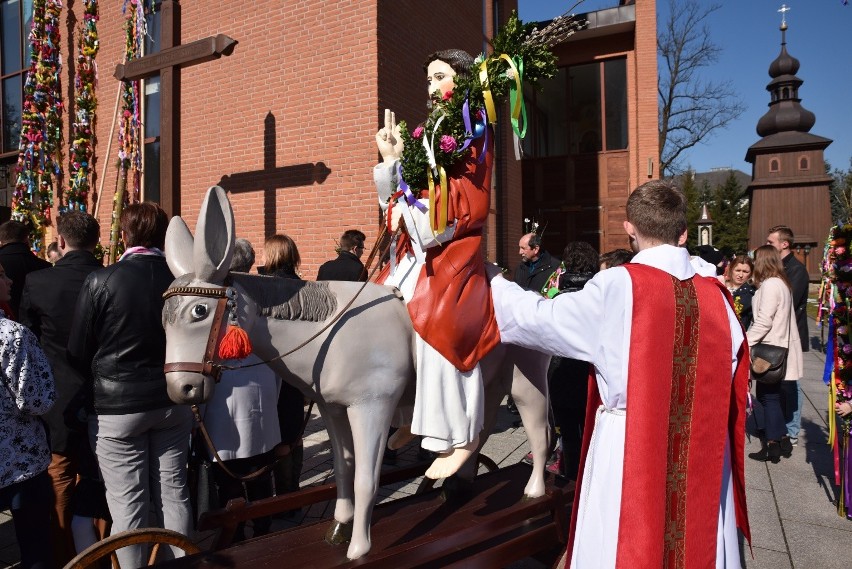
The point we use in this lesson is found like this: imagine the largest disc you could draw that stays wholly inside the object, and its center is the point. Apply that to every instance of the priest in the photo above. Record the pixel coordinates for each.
(662, 480)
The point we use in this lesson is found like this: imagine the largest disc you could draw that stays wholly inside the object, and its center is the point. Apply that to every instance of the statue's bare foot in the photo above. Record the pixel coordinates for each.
(400, 438)
(448, 463)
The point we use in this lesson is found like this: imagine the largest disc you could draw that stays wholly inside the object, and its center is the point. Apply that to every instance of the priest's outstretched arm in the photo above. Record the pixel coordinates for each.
(571, 325)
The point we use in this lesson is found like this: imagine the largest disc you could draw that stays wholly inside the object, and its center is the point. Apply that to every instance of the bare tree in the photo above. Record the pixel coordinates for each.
(691, 108)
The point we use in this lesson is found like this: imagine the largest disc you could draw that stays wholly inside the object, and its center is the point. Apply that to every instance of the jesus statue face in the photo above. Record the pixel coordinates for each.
(440, 77)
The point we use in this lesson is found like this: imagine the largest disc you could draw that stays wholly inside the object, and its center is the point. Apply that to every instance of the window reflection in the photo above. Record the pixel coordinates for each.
(584, 122)
(151, 172)
(25, 30)
(571, 116)
(615, 81)
(12, 106)
(152, 107)
(15, 22)
(10, 37)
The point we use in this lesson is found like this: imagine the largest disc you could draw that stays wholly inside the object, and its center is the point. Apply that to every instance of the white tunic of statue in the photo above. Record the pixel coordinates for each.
(449, 405)
(594, 325)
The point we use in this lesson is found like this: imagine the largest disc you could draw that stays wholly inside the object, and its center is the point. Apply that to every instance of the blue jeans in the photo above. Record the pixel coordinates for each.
(31, 502)
(770, 396)
(793, 407)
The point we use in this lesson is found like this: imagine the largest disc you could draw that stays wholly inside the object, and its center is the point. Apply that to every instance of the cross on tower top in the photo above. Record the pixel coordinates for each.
(783, 11)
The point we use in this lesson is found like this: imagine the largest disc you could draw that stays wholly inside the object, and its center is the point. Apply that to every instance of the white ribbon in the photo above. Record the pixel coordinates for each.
(429, 145)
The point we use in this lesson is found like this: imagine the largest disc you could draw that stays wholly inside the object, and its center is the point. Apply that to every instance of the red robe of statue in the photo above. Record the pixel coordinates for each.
(452, 308)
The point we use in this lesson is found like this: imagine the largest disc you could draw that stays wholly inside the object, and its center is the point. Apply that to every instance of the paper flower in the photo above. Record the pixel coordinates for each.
(448, 143)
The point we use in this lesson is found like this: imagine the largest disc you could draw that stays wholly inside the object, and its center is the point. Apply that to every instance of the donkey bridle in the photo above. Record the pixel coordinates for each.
(208, 365)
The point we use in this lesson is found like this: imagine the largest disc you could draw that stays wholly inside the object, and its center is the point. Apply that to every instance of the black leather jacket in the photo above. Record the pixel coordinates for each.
(117, 340)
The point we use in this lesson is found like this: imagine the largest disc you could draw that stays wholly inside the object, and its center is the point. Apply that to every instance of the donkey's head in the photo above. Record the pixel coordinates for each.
(199, 302)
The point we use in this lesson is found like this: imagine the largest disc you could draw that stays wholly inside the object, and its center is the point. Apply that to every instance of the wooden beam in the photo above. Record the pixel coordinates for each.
(200, 51)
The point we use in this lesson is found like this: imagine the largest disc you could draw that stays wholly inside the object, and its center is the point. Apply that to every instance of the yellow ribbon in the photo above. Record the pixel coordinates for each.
(517, 95)
(438, 223)
(486, 93)
(832, 420)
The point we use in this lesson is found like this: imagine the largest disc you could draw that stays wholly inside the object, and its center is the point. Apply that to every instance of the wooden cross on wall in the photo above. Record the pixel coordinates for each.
(167, 63)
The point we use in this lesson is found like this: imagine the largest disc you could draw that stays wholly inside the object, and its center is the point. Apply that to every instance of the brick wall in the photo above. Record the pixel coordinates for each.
(301, 96)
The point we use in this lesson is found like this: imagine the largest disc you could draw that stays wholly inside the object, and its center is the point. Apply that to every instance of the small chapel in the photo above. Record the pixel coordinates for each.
(789, 184)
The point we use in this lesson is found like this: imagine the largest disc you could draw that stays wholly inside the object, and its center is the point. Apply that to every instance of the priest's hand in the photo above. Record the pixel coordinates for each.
(388, 139)
(492, 270)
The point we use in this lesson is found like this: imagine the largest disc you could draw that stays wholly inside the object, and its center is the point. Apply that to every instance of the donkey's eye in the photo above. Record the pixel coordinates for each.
(199, 311)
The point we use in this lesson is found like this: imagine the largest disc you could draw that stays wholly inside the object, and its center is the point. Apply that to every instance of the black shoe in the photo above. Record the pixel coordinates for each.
(761, 456)
(389, 456)
(774, 450)
(786, 447)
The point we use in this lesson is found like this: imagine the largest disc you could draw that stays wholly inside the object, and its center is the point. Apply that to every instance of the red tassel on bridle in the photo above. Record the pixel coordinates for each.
(235, 345)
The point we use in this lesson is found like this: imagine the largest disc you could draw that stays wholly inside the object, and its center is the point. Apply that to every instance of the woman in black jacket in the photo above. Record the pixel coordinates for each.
(282, 260)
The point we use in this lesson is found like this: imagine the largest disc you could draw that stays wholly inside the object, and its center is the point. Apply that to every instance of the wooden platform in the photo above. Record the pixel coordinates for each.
(493, 528)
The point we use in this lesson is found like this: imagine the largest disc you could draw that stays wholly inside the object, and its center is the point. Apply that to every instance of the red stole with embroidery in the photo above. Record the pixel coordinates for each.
(682, 406)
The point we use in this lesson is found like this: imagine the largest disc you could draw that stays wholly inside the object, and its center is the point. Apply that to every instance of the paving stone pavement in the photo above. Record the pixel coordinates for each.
(791, 505)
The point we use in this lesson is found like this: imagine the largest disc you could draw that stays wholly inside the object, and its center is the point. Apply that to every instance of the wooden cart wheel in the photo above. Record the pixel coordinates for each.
(107, 547)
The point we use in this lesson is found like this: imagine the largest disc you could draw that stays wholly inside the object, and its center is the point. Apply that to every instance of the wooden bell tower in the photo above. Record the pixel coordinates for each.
(789, 183)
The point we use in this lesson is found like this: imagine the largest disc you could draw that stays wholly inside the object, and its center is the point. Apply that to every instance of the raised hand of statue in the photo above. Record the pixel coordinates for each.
(388, 139)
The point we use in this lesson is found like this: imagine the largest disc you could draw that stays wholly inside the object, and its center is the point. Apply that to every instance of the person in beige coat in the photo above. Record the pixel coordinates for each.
(775, 324)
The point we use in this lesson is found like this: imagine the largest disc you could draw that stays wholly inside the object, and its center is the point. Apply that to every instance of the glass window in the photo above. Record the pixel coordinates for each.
(584, 111)
(151, 112)
(152, 107)
(152, 38)
(570, 115)
(551, 116)
(12, 106)
(10, 42)
(151, 171)
(25, 30)
(615, 93)
(15, 22)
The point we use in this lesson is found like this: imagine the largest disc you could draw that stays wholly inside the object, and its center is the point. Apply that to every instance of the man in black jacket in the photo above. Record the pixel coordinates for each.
(347, 266)
(781, 237)
(17, 259)
(536, 265)
(47, 308)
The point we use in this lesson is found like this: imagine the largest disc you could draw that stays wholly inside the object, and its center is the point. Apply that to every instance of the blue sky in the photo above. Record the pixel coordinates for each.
(819, 36)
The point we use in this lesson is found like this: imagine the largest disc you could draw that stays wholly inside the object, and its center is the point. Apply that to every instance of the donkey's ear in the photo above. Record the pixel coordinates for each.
(214, 237)
(179, 247)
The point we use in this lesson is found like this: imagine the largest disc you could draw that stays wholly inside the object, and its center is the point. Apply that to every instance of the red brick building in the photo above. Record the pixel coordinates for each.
(594, 129)
(286, 123)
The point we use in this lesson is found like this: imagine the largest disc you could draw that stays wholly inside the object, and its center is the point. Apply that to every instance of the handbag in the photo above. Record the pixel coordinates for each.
(768, 363)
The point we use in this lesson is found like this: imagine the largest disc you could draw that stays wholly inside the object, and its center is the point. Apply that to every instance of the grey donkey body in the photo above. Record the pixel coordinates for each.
(359, 368)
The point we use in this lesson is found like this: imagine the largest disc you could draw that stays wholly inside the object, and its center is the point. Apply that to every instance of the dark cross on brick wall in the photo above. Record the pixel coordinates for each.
(273, 177)
(167, 63)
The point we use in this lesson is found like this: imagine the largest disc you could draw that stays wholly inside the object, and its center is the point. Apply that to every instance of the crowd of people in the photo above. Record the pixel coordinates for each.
(90, 437)
(98, 446)
(97, 440)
